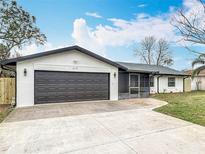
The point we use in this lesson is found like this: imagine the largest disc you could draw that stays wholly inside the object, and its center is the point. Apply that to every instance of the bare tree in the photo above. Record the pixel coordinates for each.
(163, 55)
(154, 52)
(191, 26)
(146, 50)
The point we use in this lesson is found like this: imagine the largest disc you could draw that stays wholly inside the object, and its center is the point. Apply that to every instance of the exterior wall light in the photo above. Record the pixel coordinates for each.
(25, 72)
(115, 75)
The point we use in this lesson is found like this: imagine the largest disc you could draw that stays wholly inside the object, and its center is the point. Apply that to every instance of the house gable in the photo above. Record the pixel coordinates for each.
(72, 61)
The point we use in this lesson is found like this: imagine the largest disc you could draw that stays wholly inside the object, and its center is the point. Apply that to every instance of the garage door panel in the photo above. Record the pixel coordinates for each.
(76, 81)
(73, 94)
(54, 87)
(64, 88)
(61, 99)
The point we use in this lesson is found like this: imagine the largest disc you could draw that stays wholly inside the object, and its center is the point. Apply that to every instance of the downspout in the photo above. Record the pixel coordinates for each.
(158, 83)
(183, 85)
(151, 75)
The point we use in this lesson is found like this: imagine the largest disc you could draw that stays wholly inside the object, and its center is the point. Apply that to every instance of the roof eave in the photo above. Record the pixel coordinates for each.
(142, 71)
(56, 51)
(173, 74)
(155, 72)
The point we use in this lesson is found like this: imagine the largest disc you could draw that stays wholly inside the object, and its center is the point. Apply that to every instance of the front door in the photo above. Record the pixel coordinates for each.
(134, 85)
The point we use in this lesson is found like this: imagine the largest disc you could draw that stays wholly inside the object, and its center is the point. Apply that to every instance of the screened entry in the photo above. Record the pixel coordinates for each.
(133, 85)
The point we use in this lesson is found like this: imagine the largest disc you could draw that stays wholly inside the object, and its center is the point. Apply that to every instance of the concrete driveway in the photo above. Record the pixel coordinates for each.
(112, 131)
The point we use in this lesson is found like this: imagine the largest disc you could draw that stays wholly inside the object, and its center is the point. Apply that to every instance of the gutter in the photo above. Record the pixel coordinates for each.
(142, 71)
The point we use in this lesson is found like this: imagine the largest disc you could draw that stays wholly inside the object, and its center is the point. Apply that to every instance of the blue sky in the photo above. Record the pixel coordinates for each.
(111, 28)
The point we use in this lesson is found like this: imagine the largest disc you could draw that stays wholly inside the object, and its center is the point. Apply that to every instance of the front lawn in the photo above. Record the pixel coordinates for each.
(188, 106)
(4, 111)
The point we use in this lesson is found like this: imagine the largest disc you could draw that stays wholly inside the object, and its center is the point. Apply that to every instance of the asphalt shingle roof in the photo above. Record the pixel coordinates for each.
(135, 67)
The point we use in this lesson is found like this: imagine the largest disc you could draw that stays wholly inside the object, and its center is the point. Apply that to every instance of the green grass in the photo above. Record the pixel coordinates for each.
(4, 112)
(188, 106)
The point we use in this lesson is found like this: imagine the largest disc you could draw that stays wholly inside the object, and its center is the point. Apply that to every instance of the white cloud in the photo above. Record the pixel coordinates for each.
(142, 15)
(121, 32)
(191, 4)
(93, 14)
(126, 32)
(48, 46)
(29, 49)
(84, 37)
(191, 9)
(33, 48)
(141, 5)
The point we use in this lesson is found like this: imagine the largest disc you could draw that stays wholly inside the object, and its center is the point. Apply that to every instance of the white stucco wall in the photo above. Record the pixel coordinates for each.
(200, 81)
(153, 90)
(163, 85)
(67, 61)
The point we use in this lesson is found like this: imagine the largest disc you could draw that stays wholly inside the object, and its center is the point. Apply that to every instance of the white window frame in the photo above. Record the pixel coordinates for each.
(172, 81)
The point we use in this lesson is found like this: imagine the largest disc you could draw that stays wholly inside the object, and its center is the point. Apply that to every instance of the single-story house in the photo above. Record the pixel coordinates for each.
(198, 82)
(75, 74)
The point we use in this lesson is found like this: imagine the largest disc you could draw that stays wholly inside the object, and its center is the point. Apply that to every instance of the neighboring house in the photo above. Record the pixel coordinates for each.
(76, 74)
(198, 82)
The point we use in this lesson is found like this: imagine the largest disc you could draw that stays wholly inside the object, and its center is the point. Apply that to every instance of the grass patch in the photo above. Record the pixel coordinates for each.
(4, 111)
(188, 106)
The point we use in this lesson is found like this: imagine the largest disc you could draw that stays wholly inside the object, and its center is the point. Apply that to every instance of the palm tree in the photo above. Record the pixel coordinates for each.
(198, 61)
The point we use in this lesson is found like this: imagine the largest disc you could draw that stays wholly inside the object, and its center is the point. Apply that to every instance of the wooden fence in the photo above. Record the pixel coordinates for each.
(7, 90)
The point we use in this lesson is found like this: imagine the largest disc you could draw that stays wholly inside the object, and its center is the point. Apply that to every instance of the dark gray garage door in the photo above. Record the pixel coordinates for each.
(56, 87)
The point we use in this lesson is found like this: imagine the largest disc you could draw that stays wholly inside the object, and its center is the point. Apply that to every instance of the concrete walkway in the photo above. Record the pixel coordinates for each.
(139, 130)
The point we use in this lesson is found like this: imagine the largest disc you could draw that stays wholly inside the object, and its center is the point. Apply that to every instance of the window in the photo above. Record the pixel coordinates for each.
(151, 81)
(171, 81)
